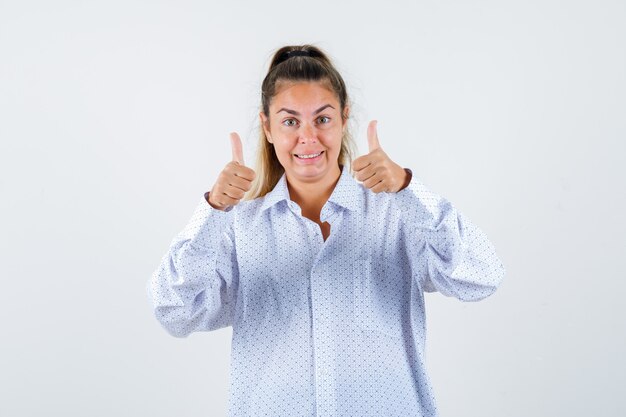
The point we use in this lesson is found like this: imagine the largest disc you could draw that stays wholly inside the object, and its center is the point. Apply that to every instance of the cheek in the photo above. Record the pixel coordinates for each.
(333, 142)
(284, 147)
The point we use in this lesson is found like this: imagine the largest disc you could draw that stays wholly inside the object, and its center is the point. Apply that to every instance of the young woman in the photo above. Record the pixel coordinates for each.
(321, 274)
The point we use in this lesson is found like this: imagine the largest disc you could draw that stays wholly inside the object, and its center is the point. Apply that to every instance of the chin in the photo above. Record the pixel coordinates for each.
(309, 172)
(312, 172)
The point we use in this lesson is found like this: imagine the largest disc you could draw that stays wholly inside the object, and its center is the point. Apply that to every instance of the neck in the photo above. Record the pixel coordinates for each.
(311, 196)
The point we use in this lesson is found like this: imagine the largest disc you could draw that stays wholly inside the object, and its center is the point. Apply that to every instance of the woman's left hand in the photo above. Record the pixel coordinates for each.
(376, 170)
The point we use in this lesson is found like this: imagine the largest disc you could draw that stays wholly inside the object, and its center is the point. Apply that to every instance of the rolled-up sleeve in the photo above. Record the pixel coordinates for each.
(194, 287)
(447, 252)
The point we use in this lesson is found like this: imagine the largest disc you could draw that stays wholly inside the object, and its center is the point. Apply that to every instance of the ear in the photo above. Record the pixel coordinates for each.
(265, 125)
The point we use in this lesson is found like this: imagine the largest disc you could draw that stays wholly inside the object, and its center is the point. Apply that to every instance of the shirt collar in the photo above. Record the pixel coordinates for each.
(348, 193)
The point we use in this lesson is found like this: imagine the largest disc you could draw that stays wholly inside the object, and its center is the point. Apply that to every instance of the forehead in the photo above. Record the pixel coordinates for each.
(303, 95)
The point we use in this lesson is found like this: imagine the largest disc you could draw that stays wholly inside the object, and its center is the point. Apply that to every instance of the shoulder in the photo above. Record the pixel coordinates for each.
(248, 212)
(380, 208)
(247, 208)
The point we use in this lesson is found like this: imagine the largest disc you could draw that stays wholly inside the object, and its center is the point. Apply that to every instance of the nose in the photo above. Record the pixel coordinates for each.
(307, 133)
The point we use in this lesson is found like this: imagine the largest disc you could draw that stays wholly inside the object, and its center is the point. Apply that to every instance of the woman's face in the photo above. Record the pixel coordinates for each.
(305, 120)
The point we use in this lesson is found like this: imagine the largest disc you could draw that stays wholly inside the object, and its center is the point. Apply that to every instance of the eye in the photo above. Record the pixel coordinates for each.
(325, 117)
(285, 122)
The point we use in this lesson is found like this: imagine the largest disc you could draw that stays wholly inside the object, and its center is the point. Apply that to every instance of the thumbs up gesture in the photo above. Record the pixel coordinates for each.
(376, 170)
(234, 180)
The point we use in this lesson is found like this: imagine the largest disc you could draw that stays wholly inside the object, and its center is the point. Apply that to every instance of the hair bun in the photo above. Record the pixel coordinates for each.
(297, 53)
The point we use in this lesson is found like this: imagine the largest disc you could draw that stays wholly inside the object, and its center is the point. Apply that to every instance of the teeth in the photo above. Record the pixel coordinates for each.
(313, 155)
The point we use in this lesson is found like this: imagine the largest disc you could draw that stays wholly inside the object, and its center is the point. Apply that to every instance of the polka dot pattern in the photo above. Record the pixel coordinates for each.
(324, 328)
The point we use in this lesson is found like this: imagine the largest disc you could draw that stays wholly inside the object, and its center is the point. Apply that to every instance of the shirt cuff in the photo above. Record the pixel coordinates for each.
(420, 203)
(207, 223)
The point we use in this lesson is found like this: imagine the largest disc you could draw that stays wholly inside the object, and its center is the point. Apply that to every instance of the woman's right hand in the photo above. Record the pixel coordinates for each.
(234, 180)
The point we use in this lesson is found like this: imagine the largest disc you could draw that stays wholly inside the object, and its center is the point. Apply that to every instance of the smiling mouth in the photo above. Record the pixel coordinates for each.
(309, 156)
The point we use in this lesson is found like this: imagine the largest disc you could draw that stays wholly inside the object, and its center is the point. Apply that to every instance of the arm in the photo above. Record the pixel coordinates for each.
(194, 286)
(448, 253)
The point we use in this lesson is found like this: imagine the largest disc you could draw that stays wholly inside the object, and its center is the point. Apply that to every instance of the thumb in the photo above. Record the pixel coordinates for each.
(372, 136)
(235, 143)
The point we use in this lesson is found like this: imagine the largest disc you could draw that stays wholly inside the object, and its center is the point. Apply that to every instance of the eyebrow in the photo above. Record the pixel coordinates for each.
(295, 113)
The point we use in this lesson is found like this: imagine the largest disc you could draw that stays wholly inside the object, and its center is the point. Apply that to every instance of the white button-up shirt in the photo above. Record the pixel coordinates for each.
(324, 328)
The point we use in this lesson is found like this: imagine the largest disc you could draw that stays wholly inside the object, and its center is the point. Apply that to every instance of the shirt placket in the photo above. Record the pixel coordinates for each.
(321, 310)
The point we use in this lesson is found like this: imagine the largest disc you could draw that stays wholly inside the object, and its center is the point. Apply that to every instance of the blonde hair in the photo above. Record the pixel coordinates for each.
(316, 67)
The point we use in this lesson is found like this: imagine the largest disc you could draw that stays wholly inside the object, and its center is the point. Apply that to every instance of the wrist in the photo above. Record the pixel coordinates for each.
(408, 174)
(207, 197)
